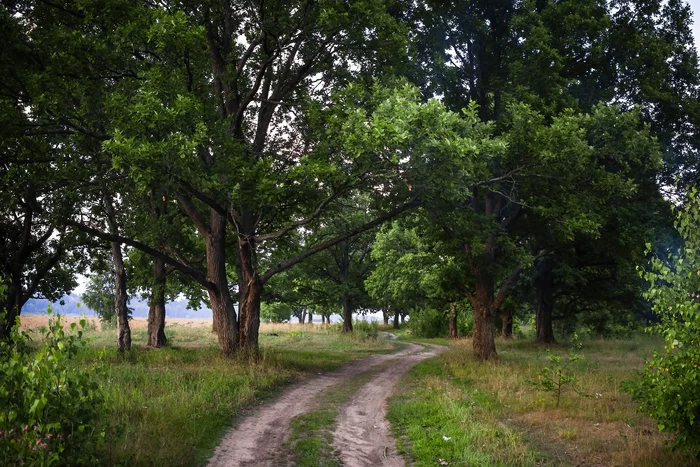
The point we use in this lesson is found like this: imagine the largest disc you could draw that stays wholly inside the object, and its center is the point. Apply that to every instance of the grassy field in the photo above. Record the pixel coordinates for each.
(454, 410)
(176, 402)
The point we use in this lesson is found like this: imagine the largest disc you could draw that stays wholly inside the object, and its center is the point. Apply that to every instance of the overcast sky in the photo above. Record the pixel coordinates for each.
(695, 5)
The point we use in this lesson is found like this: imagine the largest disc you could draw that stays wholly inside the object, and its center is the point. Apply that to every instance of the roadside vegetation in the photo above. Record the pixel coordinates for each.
(170, 406)
(455, 409)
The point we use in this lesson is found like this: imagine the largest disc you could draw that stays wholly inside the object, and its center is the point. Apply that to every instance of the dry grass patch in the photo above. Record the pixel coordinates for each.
(602, 427)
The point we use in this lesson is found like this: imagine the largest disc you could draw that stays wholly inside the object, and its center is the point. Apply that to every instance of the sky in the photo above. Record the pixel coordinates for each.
(695, 5)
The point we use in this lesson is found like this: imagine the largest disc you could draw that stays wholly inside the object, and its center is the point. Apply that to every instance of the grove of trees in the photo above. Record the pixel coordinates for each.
(467, 160)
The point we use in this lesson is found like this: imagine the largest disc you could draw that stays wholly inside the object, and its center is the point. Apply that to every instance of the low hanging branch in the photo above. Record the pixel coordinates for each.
(284, 265)
(193, 273)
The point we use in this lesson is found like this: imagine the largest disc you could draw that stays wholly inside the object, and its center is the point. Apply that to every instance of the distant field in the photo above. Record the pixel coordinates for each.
(35, 321)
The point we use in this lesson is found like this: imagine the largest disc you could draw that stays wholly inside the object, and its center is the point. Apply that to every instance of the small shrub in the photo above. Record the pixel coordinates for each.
(365, 330)
(53, 412)
(556, 377)
(670, 384)
(429, 323)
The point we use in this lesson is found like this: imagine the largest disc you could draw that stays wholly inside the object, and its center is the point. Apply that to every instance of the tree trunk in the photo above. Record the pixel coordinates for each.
(311, 318)
(251, 290)
(222, 308)
(385, 314)
(403, 318)
(323, 319)
(120, 299)
(484, 336)
(452, 318)
(156, 312)
(396, 319)
(507, 322)
(347, 314)
(544, 287)
(11, 305)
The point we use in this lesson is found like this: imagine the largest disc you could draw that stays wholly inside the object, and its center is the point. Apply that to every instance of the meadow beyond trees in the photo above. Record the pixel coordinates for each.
(481, 172)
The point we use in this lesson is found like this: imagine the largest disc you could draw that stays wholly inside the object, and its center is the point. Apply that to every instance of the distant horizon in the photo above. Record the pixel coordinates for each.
(177, 309)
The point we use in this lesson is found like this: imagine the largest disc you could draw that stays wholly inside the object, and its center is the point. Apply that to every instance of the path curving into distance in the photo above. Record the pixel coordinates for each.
(362, 435)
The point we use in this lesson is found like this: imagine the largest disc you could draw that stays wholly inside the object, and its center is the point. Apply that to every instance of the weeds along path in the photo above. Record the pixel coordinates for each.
(363, 434)
(257, 440)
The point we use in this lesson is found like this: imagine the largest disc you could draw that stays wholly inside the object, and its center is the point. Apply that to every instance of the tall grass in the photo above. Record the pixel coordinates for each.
(494, 415)
(175, 403)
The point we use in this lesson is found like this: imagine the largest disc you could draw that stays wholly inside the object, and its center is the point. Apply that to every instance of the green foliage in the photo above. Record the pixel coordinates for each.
(53, 410)
(361, 330)
(557, 376)
(99, 296)
(669, 386)
(430, 323)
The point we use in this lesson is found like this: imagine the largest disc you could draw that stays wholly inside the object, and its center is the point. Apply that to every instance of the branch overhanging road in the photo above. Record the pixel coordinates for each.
(362, 434)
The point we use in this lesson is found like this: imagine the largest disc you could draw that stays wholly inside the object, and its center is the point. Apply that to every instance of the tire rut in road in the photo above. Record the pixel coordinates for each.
(257, 440)
(363, 435)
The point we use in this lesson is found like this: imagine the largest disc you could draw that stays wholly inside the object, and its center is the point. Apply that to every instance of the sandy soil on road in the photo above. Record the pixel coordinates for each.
(257, 440)
(362, 434)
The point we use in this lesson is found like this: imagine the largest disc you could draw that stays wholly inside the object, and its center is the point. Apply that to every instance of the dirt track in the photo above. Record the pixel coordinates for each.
(362, 435)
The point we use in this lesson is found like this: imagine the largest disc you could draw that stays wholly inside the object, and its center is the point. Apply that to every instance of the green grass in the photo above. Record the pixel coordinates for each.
(494, 415)
(311, 436)
(438, 419)
(175, 403)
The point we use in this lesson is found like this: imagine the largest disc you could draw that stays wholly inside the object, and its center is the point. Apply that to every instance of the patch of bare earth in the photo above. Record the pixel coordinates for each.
(258, 439)
(363, 435)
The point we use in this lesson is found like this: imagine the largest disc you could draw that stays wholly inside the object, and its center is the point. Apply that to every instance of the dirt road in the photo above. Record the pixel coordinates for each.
(362, 435)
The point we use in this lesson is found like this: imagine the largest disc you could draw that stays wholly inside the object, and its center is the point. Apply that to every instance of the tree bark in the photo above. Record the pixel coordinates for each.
(507, 322)
(10, 304)
(120, 299)
(452, 318)
(403, 318)
(222, 308)
(397, 317)
(311, 318)
(347, 313)
(484, 336)
(323, 319)
(544, 288)
(156, 312)
(385, 315)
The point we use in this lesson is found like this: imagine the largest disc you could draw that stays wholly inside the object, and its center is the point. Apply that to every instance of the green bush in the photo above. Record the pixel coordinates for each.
(53, 412)
(428, 323)
(365, 330)
(670, 384)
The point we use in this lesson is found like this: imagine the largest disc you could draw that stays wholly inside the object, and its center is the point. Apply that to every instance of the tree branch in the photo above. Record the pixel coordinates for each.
(505, 287)
(194, 274)
(284, 265)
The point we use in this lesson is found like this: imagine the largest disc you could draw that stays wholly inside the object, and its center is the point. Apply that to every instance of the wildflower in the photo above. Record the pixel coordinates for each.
(26, 427)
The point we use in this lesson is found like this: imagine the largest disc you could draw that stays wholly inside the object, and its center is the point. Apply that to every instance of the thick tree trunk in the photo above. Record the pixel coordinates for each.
(484, 336)
(302, 317)
(397, 316)
(544, 288)
(219, 295)
(120, 299)
(347, 314)
(323, 319)
(311, 318)
(507, 322)
(11, 305)
(484, 342)
(249, 311)
(403, 318)
(452, 319)
(156, 312)
(385, 315)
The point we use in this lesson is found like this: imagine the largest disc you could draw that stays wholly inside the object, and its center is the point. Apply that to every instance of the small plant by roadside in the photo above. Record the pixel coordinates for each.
(53, 412)
(557, 376)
